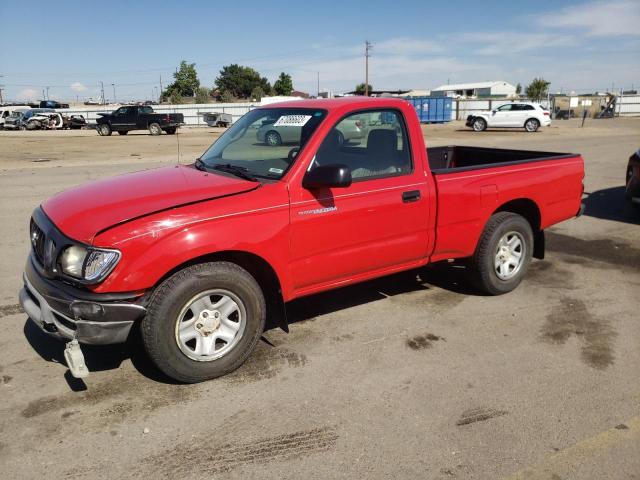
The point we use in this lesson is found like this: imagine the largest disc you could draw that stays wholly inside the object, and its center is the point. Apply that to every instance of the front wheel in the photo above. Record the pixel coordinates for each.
(479, 125)
(154, 129)
(204, 321)
(503, 254)
(104, 129)
(531, 125)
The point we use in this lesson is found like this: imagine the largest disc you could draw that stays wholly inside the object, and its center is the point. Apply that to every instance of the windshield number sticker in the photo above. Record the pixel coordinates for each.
(276, 170)
(292, 121)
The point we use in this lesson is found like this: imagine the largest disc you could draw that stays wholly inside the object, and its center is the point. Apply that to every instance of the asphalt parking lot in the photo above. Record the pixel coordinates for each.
(411, 376)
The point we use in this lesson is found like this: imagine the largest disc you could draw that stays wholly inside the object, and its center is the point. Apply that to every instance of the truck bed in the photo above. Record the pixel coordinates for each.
(451, 158)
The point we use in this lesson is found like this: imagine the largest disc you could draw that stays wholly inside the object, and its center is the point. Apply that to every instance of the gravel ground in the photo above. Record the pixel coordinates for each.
(410, 376)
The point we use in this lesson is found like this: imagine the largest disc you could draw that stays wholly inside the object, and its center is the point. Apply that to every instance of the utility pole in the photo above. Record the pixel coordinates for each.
(160, 95)
(318, 96)
(2, 88)
(102, 91)
(43, 97)
(47, 93)
(114, 92)
(367, 49)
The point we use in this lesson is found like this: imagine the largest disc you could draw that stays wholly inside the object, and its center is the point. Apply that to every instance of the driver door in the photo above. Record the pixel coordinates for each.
(378, 223)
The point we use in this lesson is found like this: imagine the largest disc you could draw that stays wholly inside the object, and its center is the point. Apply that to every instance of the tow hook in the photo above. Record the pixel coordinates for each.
(75, 359)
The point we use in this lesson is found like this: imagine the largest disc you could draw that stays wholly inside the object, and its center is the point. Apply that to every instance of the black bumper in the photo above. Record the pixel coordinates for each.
(67, 312)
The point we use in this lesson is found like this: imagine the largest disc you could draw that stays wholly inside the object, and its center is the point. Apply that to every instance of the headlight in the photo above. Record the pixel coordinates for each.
(88, 264)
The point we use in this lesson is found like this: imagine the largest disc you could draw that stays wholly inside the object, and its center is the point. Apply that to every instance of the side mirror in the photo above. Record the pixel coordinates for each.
(493, 111)
(327, 176)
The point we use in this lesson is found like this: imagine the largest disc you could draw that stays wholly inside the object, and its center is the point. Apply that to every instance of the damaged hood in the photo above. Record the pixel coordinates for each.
(84, 211)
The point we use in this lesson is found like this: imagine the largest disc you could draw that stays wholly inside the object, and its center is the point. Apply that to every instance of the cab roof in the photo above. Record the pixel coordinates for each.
(338, 103)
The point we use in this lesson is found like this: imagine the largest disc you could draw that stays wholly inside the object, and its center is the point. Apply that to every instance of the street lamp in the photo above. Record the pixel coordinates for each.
(114, 92)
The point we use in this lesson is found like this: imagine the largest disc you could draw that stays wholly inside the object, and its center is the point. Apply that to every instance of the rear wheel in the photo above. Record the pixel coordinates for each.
(273, 138)
(531, 125)
(104, 129)
(204, 321)
(503, 254)
(479, 125)
(123, 132)
(155, 129)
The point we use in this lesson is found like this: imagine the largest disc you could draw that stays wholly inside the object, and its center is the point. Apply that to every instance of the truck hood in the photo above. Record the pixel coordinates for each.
(84, 211)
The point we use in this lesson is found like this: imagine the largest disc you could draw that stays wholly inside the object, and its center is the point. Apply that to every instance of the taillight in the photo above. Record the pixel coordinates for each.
(546, 114)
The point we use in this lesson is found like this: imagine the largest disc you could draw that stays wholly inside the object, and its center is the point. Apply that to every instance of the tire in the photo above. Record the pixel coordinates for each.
(123, 132)
(492, 255)
(154, 129)
(479, 124)
(272, 138)
(170, 131)
(531, 125)
(104, 129)
(169, 307)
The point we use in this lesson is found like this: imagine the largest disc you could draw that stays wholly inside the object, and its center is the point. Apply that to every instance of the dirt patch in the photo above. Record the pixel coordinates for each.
(140, 394)
(266, 362)
(479, 414)
(6, 379)
(421, 342)
(6, 310)
(609, 251)
(549, 275)
(572, 317)
(183, 460)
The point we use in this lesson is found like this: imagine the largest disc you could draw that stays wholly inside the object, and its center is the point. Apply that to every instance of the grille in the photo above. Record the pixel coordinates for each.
(37, 241)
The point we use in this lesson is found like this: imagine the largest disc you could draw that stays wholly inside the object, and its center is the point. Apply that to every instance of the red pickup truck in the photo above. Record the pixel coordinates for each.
(200, 256)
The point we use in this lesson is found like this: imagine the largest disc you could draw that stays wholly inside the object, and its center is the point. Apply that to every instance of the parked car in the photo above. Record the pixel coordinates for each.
(632, 190)
(272, 134)
(74, 122)
(138, 117)
(6, 111)
(529, 116)
(215, 119)
(20, 118)
(200, 256)
(52, 104)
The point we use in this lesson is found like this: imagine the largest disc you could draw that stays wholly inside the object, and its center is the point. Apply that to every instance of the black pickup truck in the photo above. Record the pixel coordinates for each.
(138, 117)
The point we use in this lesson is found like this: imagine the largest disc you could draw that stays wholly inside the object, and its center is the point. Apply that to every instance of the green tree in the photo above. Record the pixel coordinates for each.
(537, 89)
(283, 85)
(175, 97)
(257, 93)
(186, 81)
(360, 88)
(226, 97)
(518, 89)
(240, 81)
(202, 95)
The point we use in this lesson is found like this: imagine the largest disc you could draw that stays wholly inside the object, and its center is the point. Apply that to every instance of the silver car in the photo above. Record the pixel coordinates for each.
(350, 129)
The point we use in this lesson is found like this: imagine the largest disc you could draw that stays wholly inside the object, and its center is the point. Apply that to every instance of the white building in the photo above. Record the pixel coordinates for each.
(474, 90)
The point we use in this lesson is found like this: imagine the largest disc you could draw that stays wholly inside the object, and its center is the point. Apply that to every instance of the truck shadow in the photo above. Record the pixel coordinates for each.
(450, 277)
(97, 357)
(611, 204)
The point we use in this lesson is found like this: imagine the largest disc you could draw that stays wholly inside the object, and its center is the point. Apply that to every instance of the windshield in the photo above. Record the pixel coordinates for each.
(265, 141)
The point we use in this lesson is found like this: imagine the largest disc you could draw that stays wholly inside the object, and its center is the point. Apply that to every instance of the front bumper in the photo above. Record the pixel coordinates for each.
(65, 312)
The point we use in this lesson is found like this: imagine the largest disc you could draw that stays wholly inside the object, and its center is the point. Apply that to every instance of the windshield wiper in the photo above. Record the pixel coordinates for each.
(200, 165)
(240, 172)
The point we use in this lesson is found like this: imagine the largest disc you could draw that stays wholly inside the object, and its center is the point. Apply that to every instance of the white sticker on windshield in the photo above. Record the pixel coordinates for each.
(275, 170)
(292, 121)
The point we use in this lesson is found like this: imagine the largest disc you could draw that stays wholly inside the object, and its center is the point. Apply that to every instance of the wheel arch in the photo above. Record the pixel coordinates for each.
(530, 210)
(259, 268)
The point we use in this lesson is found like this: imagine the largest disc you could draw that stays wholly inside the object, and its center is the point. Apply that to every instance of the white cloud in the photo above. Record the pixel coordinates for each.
(28, 94)
(507, 42)
(598, 18)
(78, 87)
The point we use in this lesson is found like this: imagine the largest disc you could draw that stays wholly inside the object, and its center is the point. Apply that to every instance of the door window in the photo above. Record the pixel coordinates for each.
(505, 108)
(372, 144)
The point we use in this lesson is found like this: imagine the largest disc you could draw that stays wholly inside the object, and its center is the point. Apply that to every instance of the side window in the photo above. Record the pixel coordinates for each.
(505, 108)
(527, 107)
(372, 144)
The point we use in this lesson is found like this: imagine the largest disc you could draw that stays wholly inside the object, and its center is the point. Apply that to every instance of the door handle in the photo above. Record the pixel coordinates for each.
(411, 196)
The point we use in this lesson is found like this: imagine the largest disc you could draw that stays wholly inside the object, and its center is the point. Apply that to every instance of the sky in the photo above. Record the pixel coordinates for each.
(71, 46)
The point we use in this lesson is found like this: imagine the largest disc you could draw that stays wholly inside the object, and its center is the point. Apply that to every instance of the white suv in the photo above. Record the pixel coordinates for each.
(529, 116)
